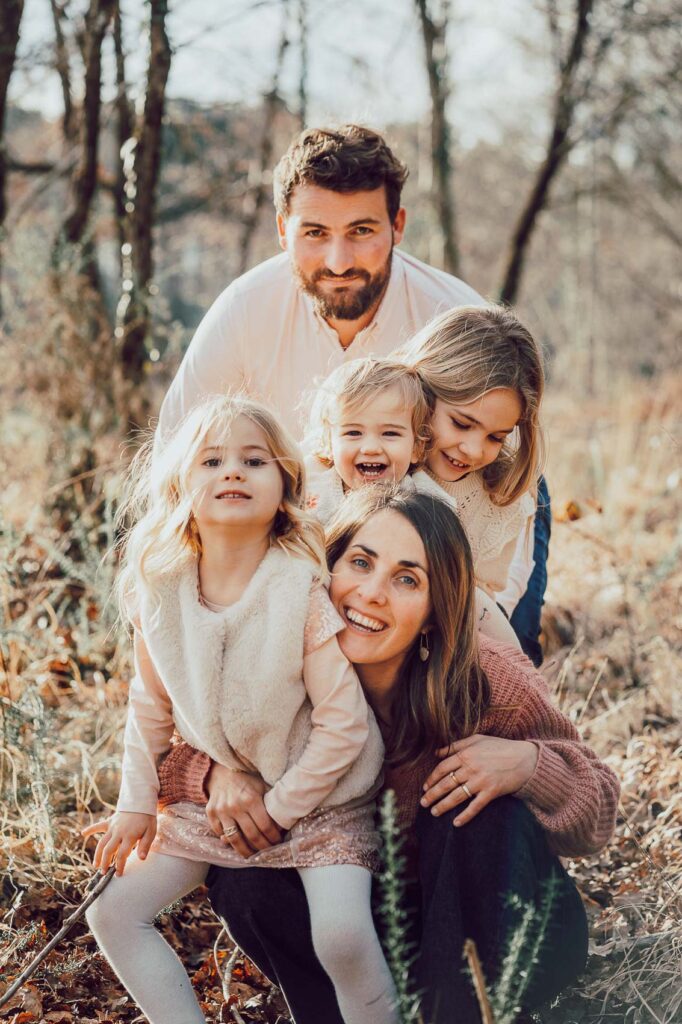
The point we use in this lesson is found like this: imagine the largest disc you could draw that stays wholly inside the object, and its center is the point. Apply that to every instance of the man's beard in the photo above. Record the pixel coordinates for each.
(350, 305)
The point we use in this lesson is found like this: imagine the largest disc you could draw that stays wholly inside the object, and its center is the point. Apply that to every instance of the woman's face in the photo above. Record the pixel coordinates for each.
(380, 588)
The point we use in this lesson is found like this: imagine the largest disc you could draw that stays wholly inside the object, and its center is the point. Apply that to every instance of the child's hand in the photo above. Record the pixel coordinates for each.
(121, 833)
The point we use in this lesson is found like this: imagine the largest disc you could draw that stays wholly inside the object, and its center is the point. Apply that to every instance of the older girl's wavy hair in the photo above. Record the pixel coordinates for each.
(468, 351)
(351, 388)
(445, 697)
(159, 531)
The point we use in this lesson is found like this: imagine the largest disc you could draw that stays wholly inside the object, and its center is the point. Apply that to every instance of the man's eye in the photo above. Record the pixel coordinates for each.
(314, 233)
(363, 231)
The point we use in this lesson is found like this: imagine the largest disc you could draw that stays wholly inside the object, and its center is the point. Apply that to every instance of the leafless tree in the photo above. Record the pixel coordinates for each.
(433, 18)
(144, 150)
(84, 180)
(255, 199)
(10, 21)
(69, 121)
(303, 62)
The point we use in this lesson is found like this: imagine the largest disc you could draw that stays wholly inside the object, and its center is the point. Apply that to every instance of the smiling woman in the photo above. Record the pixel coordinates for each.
(468, 727)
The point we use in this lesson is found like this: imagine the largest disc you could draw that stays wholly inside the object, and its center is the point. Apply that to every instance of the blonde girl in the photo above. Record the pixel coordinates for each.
(369, 423)
(485, 375)
(235, 647)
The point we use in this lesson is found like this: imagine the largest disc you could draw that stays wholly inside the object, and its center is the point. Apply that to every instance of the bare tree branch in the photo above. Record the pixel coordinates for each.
(434, 32)
(10, 22)
(69, 126)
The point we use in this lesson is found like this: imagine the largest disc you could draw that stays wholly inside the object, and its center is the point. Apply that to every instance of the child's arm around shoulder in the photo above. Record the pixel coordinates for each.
(340, 718)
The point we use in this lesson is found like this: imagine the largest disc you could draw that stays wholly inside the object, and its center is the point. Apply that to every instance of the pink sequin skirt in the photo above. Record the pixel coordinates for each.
(334, 835)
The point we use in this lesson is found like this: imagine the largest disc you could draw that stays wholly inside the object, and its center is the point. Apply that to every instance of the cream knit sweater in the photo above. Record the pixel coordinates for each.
(234, 679)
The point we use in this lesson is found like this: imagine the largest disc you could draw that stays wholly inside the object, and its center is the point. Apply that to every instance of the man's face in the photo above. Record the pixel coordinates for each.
(340, 247)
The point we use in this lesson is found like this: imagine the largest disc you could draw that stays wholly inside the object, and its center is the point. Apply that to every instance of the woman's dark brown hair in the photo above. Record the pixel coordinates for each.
(445, 697)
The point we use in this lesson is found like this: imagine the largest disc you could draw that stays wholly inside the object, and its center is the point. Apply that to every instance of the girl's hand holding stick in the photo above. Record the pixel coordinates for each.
(121, 833)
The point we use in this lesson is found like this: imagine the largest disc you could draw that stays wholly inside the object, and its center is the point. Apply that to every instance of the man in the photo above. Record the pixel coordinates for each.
(340, 290)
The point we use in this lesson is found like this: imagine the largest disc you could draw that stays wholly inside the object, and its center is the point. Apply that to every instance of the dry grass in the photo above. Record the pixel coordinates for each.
(614, 638)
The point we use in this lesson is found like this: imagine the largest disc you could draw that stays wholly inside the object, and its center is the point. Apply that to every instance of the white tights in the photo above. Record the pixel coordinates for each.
(122, 921)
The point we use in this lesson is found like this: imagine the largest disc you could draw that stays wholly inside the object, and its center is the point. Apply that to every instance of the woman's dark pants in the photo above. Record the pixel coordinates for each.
(466, 878)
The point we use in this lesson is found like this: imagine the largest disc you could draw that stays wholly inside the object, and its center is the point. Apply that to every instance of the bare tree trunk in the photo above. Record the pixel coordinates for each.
(434, 31)
(69, 125)
(124, 126)
(133, 313)
(85, 178)
(558, 148)
(257, 197)
(10, 21)
(303, 57)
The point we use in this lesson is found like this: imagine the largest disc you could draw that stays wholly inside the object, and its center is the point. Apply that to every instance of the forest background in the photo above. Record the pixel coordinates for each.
(136, 147)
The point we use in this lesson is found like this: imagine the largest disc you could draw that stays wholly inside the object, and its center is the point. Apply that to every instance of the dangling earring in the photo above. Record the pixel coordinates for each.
(424, 647)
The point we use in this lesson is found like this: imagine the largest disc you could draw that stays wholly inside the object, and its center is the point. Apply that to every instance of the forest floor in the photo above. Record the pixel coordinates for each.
(613, 640)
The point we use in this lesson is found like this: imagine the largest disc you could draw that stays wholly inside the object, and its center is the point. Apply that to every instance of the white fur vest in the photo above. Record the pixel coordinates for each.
(235, 678)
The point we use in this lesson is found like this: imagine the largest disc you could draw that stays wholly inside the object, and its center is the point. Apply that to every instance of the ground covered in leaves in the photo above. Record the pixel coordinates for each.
(613, 638)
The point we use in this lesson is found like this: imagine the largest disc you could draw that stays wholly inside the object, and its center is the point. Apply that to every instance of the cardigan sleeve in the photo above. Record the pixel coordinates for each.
(340, 727)
(572, 793)
(148, 732)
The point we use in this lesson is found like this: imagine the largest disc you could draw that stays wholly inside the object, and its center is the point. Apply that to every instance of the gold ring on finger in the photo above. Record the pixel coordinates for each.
(231, 831)
(453, 776)
(466, 790)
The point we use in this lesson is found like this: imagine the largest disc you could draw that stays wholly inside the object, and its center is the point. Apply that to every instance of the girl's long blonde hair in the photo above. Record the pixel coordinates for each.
(470, 350)
(155, 518)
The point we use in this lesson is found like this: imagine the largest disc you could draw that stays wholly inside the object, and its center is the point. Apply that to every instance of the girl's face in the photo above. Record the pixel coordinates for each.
(235, 481)
(380, 588)
(374, 443)
(469, 435)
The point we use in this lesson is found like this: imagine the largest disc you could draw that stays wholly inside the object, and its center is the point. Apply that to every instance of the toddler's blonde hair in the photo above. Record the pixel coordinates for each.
(351, 388)
(468, 351)
(159, 531)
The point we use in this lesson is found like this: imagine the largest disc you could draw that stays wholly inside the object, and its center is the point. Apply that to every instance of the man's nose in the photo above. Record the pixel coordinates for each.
(339, 256)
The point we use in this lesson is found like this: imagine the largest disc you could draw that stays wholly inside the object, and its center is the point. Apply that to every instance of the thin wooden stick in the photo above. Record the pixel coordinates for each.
(471, 953)
(95, 886)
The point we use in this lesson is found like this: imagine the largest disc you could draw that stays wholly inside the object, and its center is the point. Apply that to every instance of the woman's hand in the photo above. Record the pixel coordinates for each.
(121, 833)
(235, 799)
(479, 768)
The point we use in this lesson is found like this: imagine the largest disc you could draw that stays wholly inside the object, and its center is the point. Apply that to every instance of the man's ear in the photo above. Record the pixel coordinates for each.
(281, 231)
(399, 225)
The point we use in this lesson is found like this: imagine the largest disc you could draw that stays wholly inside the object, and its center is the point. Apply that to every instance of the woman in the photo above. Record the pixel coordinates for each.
(523, 786)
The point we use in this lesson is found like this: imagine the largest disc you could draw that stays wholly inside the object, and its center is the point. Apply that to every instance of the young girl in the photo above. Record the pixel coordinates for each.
(235, 647)
(370, 423)
(485, 374)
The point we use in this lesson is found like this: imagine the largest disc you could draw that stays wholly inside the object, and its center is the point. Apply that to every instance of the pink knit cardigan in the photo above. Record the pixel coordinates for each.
(572, 794)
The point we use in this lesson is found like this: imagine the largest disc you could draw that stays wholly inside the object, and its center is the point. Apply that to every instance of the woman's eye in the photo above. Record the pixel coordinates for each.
(497, 440)
(409, 580)
(359, 562)
(460, 426)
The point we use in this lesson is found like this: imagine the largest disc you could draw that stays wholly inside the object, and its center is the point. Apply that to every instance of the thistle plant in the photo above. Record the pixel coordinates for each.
(400, 953)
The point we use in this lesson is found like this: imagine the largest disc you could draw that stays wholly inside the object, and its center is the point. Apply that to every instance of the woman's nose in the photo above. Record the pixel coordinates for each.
(372, 590)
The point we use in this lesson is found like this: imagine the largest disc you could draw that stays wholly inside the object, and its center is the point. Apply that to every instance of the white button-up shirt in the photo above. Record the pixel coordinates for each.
(264, 335)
